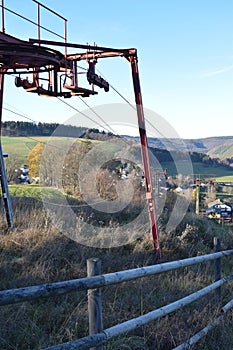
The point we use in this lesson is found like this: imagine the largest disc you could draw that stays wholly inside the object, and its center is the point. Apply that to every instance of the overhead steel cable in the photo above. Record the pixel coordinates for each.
(28, 118)
(19, 114)
(78, 111)
(29, 137)
(94, 121)
(109, 126)
(133, 106)
(94, 112)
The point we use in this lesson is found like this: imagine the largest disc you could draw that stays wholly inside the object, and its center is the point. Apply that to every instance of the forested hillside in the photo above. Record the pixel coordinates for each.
(216, 147)
(19, 128)
(202, 152)
(12, 128)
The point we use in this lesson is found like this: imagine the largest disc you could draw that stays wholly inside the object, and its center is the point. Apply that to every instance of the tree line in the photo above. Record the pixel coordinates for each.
(20, 128)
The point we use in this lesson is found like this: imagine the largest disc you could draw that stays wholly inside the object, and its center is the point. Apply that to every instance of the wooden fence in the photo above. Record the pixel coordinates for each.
(95, 281)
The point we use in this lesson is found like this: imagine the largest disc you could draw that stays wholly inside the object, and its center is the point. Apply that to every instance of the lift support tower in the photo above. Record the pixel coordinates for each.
(59, 74)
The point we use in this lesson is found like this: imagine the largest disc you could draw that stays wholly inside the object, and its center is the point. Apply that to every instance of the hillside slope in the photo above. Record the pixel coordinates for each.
(19, 147)
(216, 147)
(222, 151)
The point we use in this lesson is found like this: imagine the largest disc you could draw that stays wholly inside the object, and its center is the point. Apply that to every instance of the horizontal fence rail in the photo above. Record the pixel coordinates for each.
(98, 337)
(125, 327)
(198, 336)
(58, 288)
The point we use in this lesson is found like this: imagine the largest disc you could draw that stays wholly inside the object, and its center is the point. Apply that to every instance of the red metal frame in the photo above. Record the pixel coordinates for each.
(145, 155)
(23, 57)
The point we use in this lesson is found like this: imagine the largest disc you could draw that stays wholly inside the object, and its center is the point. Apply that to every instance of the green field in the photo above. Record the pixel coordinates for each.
(34, 191)
(198, 168)
(222, 152)
(225, 179)
(19, 147)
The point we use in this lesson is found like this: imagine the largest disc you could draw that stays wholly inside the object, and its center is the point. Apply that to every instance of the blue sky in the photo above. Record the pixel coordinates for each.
(185, 50)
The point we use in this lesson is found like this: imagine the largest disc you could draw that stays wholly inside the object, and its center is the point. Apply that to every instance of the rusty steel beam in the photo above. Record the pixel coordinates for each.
(10, 39)
(145, 155)
(90, 50)
(90, 55)
(83, 46)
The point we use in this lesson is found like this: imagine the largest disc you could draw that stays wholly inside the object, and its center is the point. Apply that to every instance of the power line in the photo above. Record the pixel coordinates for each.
(19, 114)
(109, 126)
(132, 106)
(94, 112)
(78, 111)
(29, 137)
(94, 121)
(66, 103)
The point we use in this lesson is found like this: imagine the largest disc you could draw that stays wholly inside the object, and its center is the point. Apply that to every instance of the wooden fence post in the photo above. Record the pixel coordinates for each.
(94, 301)
(217, 268)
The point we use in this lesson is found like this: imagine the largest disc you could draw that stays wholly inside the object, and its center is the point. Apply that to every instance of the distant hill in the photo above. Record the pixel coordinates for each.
(216, 147)
(28, 129)
(202, 163)
(222, 151)
(212, 155)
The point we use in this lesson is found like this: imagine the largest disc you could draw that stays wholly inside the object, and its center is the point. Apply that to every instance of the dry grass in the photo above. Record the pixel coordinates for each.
(35, 252)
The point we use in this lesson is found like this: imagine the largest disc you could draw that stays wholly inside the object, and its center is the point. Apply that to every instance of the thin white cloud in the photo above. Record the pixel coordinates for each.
(218, 71)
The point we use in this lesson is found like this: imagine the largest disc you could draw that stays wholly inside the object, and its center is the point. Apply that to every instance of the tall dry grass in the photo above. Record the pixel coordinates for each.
(36, 252)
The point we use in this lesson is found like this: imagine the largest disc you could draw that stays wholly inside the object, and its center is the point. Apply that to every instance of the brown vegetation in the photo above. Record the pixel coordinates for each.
(36, 252)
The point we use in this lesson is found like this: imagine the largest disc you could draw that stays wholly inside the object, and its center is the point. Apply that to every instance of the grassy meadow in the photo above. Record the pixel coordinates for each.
(34, 191)
(21, 146)
(225, 179)
(199, 168)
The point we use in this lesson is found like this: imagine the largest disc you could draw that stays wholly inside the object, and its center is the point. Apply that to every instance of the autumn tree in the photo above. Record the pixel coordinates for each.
(13, 162)
(34, 159)
(70, 174)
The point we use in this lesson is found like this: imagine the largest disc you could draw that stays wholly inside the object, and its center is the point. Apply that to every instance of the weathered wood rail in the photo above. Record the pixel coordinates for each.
(18, 295)
(98, 336)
